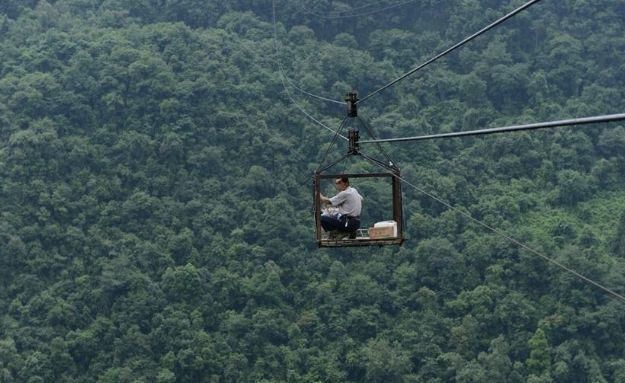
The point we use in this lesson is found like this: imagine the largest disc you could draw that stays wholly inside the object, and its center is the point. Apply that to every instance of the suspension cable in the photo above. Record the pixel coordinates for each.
(513, 128)
(283, 78)
(454, 47)
(507, 237)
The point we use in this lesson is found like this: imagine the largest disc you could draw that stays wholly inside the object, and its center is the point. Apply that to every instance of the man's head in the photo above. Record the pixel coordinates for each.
(341, 183)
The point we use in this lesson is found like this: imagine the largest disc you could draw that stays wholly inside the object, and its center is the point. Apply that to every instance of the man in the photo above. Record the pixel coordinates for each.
(348, 203)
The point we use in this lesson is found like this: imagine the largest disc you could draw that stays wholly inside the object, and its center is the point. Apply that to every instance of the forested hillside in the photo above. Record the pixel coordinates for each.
(155, 192)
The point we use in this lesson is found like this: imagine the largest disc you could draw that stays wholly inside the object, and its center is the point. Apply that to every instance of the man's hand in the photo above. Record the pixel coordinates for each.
(324, 199)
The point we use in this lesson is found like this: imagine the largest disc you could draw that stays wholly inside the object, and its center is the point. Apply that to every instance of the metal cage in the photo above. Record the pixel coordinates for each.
(395, 181)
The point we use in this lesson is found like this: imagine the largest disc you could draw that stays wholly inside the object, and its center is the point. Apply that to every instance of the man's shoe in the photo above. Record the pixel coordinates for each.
(349, 235)
(335, 235)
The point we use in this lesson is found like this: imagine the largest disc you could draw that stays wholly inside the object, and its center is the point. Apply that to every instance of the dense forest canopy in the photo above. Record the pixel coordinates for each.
(155, 193)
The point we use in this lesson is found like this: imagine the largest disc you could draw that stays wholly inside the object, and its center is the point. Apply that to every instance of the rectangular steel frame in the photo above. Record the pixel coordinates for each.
(397, 211)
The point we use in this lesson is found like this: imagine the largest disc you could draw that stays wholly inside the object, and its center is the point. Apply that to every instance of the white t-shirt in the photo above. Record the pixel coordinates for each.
(349, 202)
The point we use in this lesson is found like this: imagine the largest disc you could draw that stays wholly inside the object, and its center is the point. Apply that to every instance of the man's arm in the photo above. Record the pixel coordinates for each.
(324, 199)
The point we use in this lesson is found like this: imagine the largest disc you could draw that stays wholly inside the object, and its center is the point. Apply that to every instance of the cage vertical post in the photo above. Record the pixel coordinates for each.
(317, 207)
(398, 205)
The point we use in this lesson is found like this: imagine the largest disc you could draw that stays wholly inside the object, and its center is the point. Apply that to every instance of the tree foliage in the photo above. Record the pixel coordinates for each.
(155, 196)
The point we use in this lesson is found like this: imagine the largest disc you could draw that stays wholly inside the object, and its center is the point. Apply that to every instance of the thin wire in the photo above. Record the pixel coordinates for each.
(366, 13)
(515, 241)
(342, 103)
(321, 170)
(454, 47)
(292, 84)
(282, 77)
(338, 133)
(512, 128)
(380, 149)
(385, 166)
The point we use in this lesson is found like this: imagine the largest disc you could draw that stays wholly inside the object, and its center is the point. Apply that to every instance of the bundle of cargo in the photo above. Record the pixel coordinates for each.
(384, 229)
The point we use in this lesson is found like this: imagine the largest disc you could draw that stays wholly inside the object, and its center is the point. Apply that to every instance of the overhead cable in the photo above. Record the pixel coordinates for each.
(517, 242)
(454, 47)
(512, 128)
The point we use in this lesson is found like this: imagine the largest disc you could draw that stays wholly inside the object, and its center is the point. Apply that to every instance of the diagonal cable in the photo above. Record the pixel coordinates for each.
(507, 237)
(454, 47)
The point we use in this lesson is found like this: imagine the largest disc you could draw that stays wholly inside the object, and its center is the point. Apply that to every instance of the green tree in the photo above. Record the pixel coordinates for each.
(539, 361)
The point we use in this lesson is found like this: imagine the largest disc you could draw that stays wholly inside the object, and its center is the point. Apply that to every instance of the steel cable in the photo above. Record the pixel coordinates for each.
(516, 242)
(449, 50)
(512, 128)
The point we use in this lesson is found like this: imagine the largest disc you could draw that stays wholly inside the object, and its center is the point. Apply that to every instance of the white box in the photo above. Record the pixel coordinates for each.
(392, 224)
(384, 229)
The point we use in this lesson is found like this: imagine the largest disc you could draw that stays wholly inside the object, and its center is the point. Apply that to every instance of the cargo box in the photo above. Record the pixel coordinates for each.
(385, 229)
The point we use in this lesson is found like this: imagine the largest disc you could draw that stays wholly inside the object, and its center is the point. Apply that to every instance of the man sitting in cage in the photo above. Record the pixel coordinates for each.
(342, 216)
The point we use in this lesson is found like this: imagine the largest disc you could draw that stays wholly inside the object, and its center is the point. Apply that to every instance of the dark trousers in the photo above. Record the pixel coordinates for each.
(345, 223)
